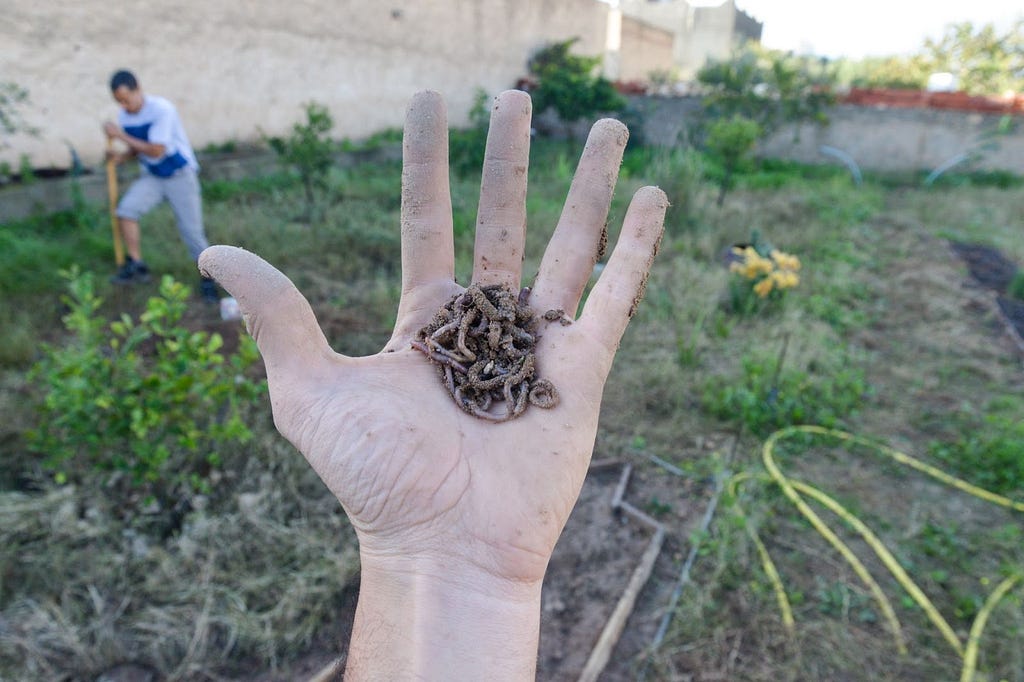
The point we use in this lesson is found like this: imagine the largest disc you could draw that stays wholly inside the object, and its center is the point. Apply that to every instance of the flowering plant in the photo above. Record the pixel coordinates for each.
(762, 274)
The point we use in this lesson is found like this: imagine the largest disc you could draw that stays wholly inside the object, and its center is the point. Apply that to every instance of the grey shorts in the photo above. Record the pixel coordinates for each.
(181, 191)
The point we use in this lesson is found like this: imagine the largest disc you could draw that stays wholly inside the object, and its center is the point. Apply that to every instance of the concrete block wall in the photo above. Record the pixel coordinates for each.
(645, 48)
(236, 69)
(887, 140)
(904, 139)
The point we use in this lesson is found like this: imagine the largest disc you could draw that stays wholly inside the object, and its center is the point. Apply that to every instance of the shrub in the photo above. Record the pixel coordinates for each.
(730, 142)
(568, 83)
(13, 99)
(761, 274)
(466, 146)
(769, 397)
(309, 151)
(145, 407)
(769, 86)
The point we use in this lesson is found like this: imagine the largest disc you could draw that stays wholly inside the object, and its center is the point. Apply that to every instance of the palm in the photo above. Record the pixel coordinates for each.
(416, 474)
(411, 467)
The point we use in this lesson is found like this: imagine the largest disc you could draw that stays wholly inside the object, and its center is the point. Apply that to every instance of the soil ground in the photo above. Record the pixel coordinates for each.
(592, 564)
(994, 271)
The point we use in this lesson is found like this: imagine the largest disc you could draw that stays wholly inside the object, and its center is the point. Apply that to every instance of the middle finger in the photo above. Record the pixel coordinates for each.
(501, 217)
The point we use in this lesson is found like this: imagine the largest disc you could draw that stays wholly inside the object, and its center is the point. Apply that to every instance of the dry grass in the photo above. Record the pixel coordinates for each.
(929, 344)
(247, 584)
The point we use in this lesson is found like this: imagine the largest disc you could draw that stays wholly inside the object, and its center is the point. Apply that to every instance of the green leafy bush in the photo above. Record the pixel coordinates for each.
(570, 85)
(147, 407)
(730, 141)
(466, 145)
(309, 151)
(769, 86)
(767, 398)
(13, 99)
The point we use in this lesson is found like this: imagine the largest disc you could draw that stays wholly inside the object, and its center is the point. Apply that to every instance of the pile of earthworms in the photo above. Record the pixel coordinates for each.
(482, 342)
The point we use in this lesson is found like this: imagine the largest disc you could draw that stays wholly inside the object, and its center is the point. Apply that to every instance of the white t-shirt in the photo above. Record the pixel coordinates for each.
(157, 122)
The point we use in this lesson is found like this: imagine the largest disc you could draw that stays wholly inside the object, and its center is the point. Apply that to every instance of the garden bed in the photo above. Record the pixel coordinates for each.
(887, 335)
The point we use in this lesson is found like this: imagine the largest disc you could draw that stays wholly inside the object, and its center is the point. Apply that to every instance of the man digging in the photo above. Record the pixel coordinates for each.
(151, 129)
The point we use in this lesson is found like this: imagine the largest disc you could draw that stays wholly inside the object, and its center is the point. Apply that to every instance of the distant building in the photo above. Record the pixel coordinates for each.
(360, 59)
(699, 33)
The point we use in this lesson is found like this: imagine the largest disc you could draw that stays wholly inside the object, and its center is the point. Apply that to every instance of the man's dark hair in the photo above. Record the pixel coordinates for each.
(125, 78)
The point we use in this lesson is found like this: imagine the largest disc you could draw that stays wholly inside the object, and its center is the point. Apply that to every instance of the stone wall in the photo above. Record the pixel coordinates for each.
(888, 140)
(236, 69)
(905, 139)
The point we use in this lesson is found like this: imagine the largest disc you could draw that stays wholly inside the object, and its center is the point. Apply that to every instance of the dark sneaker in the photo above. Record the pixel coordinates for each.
(132, 272)
(208, 290)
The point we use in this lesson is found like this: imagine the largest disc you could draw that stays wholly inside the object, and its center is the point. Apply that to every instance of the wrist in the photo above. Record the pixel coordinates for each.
(437, 619)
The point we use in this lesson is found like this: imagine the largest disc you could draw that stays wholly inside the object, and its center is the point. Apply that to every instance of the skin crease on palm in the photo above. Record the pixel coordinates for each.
(432, 491)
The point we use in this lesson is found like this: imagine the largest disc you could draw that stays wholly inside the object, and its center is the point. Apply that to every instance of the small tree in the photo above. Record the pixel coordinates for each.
(769, 87)
(984, 60)
(897, 72)
(570, 84)
(13, 97)
(309, 151)
(730, 141)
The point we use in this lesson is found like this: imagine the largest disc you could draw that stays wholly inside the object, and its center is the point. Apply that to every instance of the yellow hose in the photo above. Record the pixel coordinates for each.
(766, 559)
(793, 491)
(971, 655)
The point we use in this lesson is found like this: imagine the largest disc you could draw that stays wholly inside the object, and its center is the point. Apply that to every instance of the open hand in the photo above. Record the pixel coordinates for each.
(424, 483)
(416, 474)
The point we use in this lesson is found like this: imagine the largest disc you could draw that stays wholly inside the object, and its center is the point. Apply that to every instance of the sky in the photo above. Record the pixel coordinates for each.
(863, 28)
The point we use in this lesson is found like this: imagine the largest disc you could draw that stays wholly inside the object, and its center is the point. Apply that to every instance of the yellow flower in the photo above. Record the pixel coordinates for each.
(753, 264)
(784, 279)
(785, 261)
(764, 287)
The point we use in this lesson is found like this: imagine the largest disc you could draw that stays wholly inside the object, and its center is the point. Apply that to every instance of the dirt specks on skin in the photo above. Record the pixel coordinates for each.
(642, 289)
(482, 342)
(558, 315)
(639, 297)
(602, 243)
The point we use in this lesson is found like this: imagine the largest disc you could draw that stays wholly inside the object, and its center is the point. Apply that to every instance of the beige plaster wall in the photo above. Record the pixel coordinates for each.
(699, 33)
(712, 35)
(238, 67)
(904, 139)
(878, 139)
(645, 48)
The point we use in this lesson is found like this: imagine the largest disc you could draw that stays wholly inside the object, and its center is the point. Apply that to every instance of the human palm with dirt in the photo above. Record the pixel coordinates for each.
(456, 516)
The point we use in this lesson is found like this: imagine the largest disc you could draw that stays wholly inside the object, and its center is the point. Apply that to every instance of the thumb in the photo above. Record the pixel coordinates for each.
(277, 316)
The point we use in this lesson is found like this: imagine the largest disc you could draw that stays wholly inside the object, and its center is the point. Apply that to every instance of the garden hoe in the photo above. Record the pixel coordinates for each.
(112, 195)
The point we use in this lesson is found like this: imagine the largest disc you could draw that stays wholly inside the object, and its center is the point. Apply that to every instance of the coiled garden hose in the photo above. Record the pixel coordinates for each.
(795, 492)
